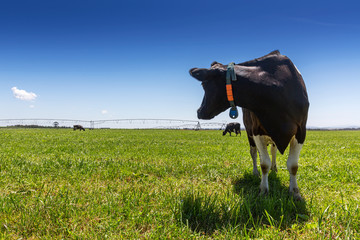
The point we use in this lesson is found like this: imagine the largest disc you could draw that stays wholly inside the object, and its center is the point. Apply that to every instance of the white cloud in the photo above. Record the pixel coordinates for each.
(23, 95)
(32, 106)
(104, 111)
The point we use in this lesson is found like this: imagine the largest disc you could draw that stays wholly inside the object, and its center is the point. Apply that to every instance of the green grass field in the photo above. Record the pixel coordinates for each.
(164, 184)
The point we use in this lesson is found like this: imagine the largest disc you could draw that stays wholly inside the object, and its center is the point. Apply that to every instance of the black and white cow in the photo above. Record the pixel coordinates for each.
(232, 127)
(78, 127)
(273, 91)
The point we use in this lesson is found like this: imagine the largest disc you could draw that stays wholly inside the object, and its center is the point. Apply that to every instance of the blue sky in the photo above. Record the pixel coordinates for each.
(130, 59)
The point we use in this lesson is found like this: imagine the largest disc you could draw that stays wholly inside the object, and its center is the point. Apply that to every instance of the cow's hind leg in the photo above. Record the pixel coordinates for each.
(265, 163)
(292, 166)
(273, 157)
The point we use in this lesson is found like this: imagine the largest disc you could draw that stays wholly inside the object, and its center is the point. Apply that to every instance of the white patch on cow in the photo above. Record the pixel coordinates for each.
(297, 69)
(265, 162)
(292, 166)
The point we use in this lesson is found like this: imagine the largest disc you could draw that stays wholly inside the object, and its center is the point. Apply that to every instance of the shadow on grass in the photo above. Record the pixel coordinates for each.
(243, 208)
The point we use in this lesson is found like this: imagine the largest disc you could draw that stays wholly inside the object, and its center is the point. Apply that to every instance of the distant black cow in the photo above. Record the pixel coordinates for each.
(232, 127)
(78, 127)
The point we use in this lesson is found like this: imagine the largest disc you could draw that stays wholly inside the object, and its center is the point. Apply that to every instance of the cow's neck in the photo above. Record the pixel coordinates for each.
(246, 93)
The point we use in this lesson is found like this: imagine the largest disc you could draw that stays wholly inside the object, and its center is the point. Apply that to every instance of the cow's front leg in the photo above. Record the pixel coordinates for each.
(265, 163)
(253, 153)
(273, 157)
(292, 166)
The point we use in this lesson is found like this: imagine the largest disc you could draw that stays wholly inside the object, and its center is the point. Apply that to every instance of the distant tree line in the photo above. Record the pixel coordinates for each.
(335, 129)
(34, 126)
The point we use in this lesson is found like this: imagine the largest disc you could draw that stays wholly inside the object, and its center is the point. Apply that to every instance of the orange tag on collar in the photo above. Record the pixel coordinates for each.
(229, 92)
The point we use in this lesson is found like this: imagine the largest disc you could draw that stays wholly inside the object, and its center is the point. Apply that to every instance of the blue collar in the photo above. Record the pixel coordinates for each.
(231, 76)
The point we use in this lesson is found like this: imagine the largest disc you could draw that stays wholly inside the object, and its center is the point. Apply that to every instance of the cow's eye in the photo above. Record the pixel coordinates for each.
(204, 81)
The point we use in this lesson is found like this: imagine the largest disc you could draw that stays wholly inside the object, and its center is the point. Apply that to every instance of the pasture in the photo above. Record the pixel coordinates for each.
(163, 184)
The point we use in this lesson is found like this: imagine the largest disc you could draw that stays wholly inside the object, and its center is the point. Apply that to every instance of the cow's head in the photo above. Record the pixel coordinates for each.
(213, 81)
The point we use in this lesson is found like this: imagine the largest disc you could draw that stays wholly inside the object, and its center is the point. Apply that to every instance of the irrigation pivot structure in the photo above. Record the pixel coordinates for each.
(115, 123)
